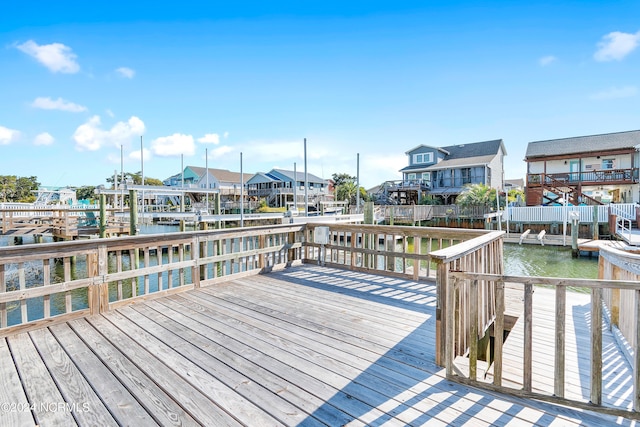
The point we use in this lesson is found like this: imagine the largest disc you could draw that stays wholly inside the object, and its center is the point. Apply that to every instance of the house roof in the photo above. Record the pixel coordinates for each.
(462, 162)
(299, 176)
(475, 149)
(473, 154)
(583, 144)
(222, 175)
(426, 146)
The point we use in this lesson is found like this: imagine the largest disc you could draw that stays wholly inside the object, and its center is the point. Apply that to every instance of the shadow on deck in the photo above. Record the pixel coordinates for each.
(304, 346)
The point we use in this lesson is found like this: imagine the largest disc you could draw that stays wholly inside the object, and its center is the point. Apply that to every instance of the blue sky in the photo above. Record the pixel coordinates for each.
(374, 78)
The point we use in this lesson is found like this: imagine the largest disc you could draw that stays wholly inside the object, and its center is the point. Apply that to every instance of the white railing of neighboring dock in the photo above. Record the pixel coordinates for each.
(547, 214)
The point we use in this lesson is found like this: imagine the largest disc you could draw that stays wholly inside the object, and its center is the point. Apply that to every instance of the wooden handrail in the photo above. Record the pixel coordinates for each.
(98, 275)
(459, 278)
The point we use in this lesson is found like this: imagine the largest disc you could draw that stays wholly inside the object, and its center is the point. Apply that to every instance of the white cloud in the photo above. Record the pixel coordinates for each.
(135, 155)
(7, 136)
(616, 45)
(210, 138)
(57, 57)
(616, 93)
(91, 137)
(277, 151)
(547, 60)
(126, 72)
(44, 138)
(218, 152)
(110, 113)
(226, 135)
(57, 104)
(173, 145)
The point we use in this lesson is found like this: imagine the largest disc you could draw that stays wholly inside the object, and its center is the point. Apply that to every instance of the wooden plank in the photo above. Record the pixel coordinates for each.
(197, 404)
(327, 367)
(122, 406)
(226, 397)
(15, 410)
(141, 385)
(80, 398)
(61, 318)
(299, 388)
(40, 388)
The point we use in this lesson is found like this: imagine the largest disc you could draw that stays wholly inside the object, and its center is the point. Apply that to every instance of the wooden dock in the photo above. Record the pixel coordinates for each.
(304, 346)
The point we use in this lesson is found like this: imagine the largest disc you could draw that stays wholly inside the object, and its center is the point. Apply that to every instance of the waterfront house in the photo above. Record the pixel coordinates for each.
(277, 187)
(592, 169)
(227, 183)
(443, 172)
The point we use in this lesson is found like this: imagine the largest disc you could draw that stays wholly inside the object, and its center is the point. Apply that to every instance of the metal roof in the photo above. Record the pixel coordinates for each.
(583, 144)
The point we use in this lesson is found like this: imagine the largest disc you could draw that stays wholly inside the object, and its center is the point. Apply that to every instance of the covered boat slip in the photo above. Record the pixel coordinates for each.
(306, 345)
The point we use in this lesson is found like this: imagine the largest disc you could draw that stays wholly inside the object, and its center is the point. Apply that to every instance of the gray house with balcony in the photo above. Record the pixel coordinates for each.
(443, 172)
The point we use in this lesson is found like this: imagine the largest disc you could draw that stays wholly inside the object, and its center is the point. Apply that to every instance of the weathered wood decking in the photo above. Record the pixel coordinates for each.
(304, 346)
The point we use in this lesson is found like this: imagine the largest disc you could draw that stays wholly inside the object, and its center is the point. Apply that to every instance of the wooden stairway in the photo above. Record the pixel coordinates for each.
(558, 188)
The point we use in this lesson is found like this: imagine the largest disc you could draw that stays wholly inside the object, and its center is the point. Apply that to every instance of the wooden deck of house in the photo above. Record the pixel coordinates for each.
(307, 345)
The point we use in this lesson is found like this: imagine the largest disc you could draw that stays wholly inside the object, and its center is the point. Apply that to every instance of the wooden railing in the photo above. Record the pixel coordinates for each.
(474, 305)
(455, 211)
(615, 264)
(45, 283)
(466, 283)
(585, 177)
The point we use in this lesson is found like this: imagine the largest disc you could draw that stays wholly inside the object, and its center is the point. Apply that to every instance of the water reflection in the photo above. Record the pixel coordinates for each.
(549, 261)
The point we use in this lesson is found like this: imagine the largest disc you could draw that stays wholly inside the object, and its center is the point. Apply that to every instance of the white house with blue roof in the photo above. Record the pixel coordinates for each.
(278, 187)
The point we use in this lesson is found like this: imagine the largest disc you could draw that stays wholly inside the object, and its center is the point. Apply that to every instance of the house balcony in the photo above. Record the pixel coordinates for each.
(587, 178)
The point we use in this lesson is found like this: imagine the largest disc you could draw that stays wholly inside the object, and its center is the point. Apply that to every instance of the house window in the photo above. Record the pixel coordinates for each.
(423, 158)
(607, 164)
(426, 176)
(466, 175)
(411, 176)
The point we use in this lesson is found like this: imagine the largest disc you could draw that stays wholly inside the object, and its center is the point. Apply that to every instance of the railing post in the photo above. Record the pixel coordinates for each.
(417, 248)
(561, 301)
(449, 336)
(498, 334)
(195, 257)
(103, 270)
(473, 331)
(596, 346)
(261, 258)
(442, 285)
(3, 305)
(636, 356)
(528, 337)
(291, 254)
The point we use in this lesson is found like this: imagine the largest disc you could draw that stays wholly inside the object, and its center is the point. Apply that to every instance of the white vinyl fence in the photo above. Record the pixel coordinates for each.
(549, 214)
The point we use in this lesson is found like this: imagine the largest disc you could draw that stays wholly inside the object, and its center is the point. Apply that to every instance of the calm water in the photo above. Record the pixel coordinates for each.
(550, 261)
